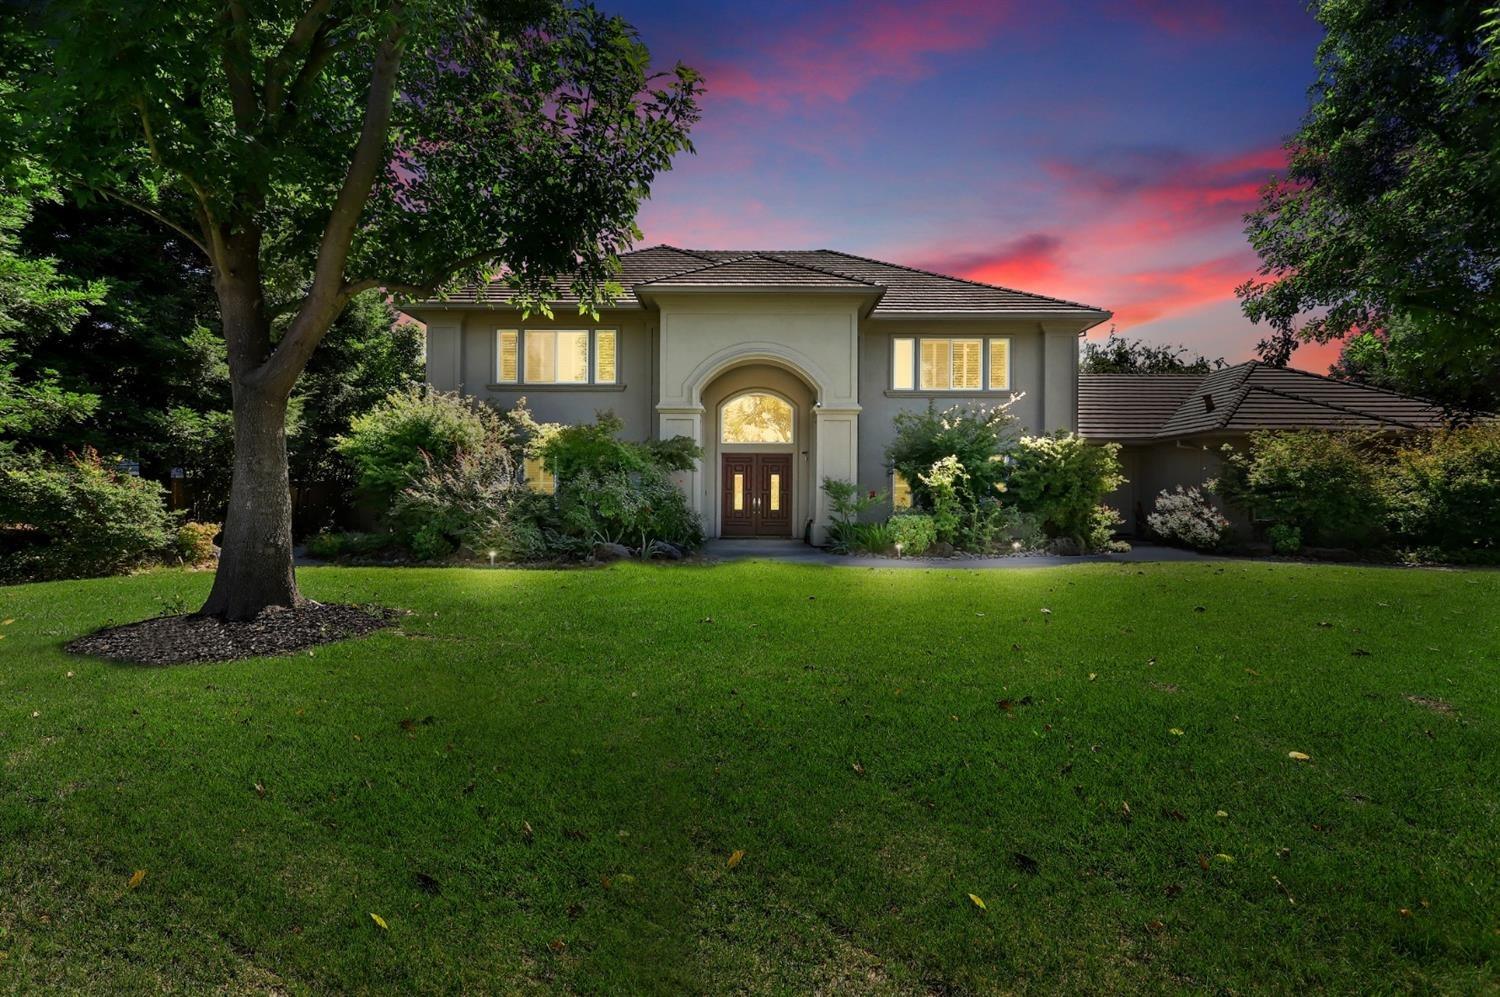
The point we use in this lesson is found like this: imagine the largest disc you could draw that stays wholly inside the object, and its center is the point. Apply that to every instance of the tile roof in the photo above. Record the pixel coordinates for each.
(1130, 406)
(759, 271)
(1239, 399)
(904, 290)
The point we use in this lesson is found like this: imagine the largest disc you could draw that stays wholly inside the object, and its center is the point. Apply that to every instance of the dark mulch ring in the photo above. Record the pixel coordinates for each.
(171, 640)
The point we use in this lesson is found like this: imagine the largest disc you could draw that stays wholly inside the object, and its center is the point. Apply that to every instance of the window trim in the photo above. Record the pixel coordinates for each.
(591, 371)
(914, 376)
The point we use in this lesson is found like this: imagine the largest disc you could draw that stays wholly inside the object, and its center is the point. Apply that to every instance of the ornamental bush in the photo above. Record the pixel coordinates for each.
(1325, 484)
(1186, 518)
(978, 437)
(401, 438)
(1443, 490)
(1062, 479)
(77, 518)
(914, 531)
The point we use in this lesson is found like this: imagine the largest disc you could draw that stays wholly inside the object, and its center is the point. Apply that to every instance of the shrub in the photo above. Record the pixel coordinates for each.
(1323, 483)
(914, 531)
(977, 436)
(398, 440)
(454, 504)
(1186, 518)
(337, 546)
(611, 490)
(1443, 491)
(195, 542)
(1061, 479)
(1103, 523)
(1285, 539)
(873, 538)
(79, 518)
(846, 504)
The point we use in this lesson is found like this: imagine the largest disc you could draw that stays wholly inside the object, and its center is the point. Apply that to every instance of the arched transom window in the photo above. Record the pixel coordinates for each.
(756, 417)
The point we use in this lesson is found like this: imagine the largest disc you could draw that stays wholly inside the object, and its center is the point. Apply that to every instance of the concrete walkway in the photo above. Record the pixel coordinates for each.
(797, 552)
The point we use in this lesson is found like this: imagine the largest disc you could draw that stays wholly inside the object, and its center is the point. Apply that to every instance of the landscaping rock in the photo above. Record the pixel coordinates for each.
(1064, 547)
(938, 549)
(611, 552)
(664, 551)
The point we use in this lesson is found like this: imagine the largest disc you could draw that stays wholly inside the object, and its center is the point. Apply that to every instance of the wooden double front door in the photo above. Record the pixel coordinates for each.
(756, 495)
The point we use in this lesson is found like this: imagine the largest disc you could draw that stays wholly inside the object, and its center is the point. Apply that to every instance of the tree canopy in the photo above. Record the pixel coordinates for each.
(1119, 355)
(319, 149)
(1389, 210)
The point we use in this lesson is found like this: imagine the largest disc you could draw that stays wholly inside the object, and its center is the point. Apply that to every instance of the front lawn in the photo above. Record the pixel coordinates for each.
(538, 781)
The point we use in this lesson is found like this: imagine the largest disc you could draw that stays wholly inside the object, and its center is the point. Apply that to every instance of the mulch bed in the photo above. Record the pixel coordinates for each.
(171, 640)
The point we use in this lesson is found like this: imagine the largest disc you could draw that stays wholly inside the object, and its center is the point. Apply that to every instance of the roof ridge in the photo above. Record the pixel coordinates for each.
(1332, 405)
(770, 255)
(1352, 384)
(961, 280)
(675, 249)
(709, 265)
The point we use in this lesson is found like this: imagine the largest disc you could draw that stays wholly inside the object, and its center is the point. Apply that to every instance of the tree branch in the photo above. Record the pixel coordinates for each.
(325, 297)
(153, 213)
(310, 29)
(236, 60)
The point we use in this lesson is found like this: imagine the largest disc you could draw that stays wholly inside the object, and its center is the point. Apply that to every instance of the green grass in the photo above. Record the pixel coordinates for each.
(841, 726)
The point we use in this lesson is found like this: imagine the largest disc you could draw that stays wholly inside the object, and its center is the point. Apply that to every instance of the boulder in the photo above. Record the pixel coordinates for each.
(1064, 547)
(663, 551)
(611, 552)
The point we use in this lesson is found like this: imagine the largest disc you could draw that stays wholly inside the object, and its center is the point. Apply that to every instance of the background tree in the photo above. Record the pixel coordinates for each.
(1118, 355)
(1388, 216)
(334, 147)
(37, 302)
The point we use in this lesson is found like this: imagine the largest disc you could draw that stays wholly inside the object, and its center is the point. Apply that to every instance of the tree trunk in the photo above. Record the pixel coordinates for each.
(255, 560)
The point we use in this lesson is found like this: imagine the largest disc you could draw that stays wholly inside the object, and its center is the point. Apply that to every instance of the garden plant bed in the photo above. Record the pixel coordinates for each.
(172, 640)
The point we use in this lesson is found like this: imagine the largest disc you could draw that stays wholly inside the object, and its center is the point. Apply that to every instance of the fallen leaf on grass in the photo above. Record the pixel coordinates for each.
(1203, 862)
(557, 945)
(1046, 612)
(136, 878)
(526, 832)
(1125, 810)
(736, 857)
(978, 902)
(1155, 927)
(7, 621)
(379, 921)
(1093, 675)
(858, 768)
(1224, 857)
(1285, 892)
(1176, 731)
(1221, 814)
(1298, 756)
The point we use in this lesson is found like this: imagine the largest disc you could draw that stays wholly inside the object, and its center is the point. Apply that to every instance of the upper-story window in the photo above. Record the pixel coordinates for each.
(960, 363)
(556, 356)
(756, 417)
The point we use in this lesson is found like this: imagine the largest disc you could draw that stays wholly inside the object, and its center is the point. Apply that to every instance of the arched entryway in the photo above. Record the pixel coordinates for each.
(759, 454)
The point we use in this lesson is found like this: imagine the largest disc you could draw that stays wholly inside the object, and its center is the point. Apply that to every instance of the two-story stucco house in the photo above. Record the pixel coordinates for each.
(786, 367)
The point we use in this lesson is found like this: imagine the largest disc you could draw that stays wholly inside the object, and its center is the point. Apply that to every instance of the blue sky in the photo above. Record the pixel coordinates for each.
(1100, 151)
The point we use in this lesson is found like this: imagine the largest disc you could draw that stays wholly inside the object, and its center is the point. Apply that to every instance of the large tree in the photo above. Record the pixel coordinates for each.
(336, 146)
(1389, 211)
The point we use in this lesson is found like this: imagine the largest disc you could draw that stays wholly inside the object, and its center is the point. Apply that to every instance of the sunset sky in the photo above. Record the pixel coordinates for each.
(1100, 151)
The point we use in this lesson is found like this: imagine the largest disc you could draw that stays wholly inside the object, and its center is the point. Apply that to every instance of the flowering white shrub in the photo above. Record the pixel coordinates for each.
(1185, 517)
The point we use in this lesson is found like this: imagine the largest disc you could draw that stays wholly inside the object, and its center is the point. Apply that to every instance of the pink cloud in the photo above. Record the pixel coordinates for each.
(832, 55)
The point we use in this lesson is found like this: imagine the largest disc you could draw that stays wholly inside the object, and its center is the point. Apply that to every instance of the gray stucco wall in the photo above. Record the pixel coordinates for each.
(461, 348)
(1156, 467)
(1043, 370)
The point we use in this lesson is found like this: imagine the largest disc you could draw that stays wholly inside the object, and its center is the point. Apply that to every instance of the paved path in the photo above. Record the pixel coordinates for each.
(797, 552)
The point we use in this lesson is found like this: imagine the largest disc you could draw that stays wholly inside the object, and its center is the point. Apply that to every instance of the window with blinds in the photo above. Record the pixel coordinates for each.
(999, 364)
(931, 364)
(556, 356)
(604, 356)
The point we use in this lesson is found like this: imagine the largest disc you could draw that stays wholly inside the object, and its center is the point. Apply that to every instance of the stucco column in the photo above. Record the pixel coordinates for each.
(1060, 379)
(685, 420)
(837, 433)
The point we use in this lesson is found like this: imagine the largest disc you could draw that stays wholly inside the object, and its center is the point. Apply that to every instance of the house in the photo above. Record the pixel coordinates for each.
(1171, 427)
(786, 367)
